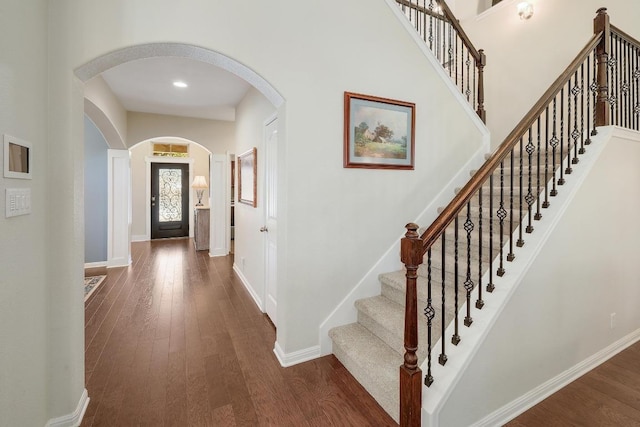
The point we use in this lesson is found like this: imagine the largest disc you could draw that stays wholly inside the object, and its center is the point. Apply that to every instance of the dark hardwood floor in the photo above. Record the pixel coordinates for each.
(609, 395)
(175, 340)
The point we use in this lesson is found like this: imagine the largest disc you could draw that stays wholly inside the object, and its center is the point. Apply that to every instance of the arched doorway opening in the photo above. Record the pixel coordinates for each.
(254, 276)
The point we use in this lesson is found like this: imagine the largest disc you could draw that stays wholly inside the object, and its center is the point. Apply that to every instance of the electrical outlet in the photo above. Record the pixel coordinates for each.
(613, 320)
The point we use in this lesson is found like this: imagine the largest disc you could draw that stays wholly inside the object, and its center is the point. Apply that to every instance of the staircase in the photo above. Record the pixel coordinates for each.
(372, 349)
(450, 267)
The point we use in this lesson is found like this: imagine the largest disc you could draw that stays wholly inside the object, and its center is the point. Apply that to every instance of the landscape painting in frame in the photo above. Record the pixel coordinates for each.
(379, 132)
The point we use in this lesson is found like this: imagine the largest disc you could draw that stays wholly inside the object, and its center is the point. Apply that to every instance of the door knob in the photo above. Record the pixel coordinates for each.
(263, 229)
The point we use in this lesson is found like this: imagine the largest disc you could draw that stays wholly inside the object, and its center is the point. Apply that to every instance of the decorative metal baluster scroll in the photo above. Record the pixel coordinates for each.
(170, 207)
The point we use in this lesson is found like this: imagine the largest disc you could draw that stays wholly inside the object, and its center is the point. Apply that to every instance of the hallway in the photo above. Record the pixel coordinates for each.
(175, 340)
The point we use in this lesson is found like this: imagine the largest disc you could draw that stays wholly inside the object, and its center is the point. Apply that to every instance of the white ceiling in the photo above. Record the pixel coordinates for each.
(146, 86)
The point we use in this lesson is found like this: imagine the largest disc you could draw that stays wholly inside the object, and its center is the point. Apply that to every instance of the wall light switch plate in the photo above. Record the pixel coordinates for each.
(18, 202)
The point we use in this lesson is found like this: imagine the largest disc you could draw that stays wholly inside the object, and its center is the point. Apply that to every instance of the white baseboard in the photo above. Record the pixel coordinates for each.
(251, 291)
(118, 262)
(290, 359)
(75, 418)
(538, 394)
(218, 253)
(95, 264)
(139, 238)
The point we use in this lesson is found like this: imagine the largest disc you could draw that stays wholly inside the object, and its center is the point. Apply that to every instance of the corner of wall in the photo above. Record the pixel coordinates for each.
(75, 418)
(300, 356)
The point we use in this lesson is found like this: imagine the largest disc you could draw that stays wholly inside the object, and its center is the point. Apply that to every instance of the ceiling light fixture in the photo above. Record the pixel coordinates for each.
(525, 10)
(180, 84)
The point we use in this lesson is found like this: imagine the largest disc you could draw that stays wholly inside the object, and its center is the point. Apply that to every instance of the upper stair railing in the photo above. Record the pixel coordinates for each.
(443, 34)
(623, 74)
(474, 237)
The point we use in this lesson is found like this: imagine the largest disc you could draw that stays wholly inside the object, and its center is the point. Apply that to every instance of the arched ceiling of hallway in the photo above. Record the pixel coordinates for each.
(146, 85)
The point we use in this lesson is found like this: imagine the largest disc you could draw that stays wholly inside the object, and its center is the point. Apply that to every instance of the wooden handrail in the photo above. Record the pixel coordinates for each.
(448, 17)
(465, 39)
(624, 35)
(445, 218)
(422, 9)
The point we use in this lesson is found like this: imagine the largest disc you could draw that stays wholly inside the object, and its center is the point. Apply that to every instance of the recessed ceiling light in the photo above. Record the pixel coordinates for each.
(180, 84)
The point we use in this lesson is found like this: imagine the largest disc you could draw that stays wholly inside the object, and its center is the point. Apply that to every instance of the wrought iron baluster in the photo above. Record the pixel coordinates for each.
(456, 60)
(554, 143)
(467, 92)
(462, 80)
(568, 170)
(592, 88)
(479, 301)
(502, 214)
(455, 339)
(468, 283)
(616, 67)
(490, 286)
(474, 92)
(629, 80)
(613, 85)
(443, 356)
(430, 38)
(443, 32)
(450, 51)
(623, 82)
(529, 198)
(546, 204)
(629, 60)
(520, 242)
(575, 134)
(582, 128)
(511, 256)
(636, 79)
(538, 215)
(429, 313)
(561, 180)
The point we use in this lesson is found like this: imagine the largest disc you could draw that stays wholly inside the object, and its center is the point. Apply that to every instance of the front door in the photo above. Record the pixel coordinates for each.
(271, 217)
(169, 200)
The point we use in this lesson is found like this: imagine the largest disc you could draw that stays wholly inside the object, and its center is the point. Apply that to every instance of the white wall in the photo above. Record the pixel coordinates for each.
(141, 182)
(24, 279)
(560, 313)
(102, 106)
(525, 57)
(335, 222)
(251, 114)
(95, 194)
(216, 135)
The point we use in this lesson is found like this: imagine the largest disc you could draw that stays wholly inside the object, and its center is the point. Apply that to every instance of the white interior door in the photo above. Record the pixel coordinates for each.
(271, 217)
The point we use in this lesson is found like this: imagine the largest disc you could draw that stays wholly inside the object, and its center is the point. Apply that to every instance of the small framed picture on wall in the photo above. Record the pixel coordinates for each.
(247, 177)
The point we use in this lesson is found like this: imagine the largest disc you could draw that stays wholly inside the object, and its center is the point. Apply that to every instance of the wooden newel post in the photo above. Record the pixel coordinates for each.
(601, 24)
(481, 64)
(410, 374)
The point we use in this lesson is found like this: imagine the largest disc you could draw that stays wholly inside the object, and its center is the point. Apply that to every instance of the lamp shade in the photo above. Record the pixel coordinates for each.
(199, 182)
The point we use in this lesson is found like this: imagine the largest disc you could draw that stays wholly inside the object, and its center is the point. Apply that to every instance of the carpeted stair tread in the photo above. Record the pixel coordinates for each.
(394, 283)
(385, 319)
(362, 353)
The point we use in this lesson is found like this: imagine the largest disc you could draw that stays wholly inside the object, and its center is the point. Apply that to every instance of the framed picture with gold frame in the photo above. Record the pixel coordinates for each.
(378, 132)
